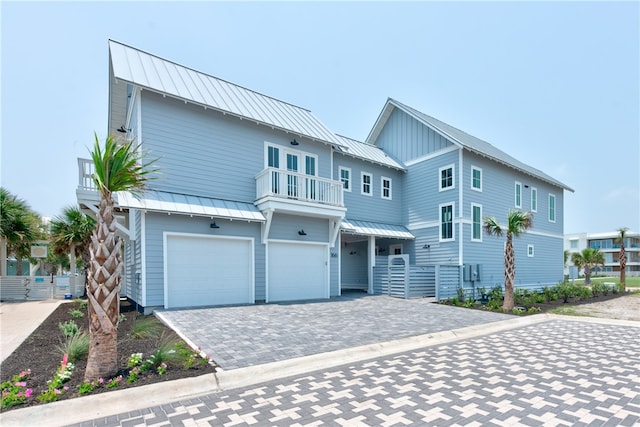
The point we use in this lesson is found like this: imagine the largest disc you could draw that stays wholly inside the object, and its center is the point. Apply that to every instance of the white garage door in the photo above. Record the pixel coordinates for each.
(203, 270)
(297, 272)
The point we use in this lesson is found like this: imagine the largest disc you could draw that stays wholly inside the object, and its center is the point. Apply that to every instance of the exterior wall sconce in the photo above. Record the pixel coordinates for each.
(353, 253)
(426, 246)
(302, 233)
(294, 142)
(122, 129)
(214, 225)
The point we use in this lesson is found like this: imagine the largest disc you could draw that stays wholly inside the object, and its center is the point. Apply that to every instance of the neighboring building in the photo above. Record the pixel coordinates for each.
(607, 244)
(259, 201)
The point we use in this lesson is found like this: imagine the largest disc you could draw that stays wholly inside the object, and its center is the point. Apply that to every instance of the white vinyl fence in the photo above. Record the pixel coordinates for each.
(31, 288)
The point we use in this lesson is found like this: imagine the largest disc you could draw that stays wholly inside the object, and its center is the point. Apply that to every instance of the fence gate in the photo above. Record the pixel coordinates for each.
(398, 266)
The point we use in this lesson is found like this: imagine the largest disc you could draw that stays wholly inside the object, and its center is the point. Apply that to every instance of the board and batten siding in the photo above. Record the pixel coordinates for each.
(203, 152)
(405, 138)
(371, 208)
(157, 224)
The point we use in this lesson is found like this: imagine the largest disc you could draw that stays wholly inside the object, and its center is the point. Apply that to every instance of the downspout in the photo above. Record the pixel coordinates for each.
(460, 208)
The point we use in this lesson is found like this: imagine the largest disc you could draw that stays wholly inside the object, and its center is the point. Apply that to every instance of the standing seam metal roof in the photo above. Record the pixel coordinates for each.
(369, 152)
(160, 75)
(471, 143)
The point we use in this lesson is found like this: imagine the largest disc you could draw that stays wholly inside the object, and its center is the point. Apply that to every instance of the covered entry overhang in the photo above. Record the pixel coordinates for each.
(360, 242)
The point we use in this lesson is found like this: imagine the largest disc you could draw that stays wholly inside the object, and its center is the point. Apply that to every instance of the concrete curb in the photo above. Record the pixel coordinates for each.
(111, 403)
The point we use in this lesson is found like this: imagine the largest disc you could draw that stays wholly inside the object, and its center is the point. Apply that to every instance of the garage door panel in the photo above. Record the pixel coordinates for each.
(297, 272)
(205, 271)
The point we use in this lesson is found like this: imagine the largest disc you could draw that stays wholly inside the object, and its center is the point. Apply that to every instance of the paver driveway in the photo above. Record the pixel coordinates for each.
(237, 337)
(555, 373)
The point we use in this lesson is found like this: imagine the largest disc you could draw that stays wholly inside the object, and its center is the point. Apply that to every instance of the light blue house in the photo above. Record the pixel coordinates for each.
(258, 200)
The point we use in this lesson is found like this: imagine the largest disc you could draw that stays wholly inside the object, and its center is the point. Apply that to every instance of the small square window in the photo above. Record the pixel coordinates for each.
(530, 251)
(447, 178)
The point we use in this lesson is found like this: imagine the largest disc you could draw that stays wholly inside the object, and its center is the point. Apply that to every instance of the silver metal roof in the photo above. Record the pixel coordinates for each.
(369, 152)
(367, 228)
(468, 142)
(160, 75)
(159, 201)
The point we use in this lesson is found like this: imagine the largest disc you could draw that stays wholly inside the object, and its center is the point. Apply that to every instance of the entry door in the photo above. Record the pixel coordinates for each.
(292, 180)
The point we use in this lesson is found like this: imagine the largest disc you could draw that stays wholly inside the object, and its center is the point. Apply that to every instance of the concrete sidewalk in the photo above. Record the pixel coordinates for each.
(19, 319)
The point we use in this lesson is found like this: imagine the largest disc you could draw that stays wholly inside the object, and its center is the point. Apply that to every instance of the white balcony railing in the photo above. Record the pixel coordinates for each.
(85, 172)
(292, 185)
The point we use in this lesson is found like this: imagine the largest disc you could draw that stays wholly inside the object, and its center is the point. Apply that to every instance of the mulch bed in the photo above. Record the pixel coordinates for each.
(38, 353)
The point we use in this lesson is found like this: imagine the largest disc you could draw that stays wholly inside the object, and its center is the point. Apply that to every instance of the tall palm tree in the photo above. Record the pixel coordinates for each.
(19, 227)
(622, 257)
(517, 223)
(119, 167)
(71, 234)
(588, 259)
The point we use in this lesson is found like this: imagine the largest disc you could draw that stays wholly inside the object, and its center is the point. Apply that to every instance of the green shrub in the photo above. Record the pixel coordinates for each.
(494, 304)
(496, 293)
(166, 352)
(596, 289)
(518, 310)
(549, 293)
(460, 293)
(76, 346)
(75, 313)
(146, 327)
(69, 328)
(566, 291)
(582, 292)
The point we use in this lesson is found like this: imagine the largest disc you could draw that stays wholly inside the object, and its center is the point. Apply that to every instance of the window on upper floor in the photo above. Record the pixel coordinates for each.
(447, 180)
(366, 183)
(345, 178)
(534, 199)
(386, 188)
(476, 178)
(476, 222)
(518, 194)
(573, 243)
(530, 251)
(552, 208)
(446, 222)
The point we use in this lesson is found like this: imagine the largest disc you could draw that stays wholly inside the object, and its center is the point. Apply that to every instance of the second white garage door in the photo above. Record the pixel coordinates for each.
(204, 270)
(297, 271)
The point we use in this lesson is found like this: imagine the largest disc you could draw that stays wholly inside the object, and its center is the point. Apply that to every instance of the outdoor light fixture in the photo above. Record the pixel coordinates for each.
(426, 246)
(214, 225)
(294, 142)
(123, 130)
(302, 233)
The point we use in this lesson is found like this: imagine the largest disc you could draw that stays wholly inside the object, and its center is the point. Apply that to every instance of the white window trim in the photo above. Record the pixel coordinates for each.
(452, 166)
(530, 251)
(476, 205)
(475, 168)
(340, 169)
(370, 175)
(555, 208)
(382, 180)
(453, 225)
(534, 190)
(517, 185)
(282, 157)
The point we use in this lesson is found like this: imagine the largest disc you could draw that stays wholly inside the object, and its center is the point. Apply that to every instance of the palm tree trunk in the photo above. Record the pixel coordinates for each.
(103, 289)
(509, 274)
(623, 266)
(587, 274)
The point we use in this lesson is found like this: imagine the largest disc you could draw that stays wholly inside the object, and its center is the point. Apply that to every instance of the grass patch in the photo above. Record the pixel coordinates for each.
(567, 311)
(146, 327)
(77, 346)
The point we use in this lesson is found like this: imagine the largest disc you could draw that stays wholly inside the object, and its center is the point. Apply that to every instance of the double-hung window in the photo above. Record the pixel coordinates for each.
(386, 188)
(366, 183)
(552, 208)
(345, 178)
(446, 222)
(447, 178)
(476, 178)
(476, 222)
(518, 195)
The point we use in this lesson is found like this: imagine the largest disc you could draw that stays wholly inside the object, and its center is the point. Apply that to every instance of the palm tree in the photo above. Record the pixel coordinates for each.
(517, 223)
(588, 259)
(119, 167)
(19, 227)
(622, 257)
(71, 234)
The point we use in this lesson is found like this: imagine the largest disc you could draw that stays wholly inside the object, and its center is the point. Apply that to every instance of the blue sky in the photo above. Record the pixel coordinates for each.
(555, 85)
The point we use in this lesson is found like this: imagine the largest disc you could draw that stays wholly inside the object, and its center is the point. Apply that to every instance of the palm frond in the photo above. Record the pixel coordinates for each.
(492, 226)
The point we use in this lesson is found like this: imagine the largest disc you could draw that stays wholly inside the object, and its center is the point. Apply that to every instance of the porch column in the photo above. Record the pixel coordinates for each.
(371, 262)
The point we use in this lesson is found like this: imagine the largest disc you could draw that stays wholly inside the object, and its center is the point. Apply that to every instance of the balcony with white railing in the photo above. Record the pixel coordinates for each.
(298, 189)
(87, 192)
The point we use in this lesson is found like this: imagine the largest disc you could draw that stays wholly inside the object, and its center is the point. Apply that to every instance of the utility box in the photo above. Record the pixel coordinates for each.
(472, 272)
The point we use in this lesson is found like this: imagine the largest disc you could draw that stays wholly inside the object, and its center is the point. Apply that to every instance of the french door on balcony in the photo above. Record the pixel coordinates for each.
(288, 180)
